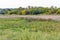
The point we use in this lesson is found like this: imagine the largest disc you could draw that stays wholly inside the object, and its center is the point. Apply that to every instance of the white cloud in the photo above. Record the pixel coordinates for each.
(25, 3)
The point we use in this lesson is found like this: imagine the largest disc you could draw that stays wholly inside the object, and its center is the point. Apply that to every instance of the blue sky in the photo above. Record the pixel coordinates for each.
(25, 3)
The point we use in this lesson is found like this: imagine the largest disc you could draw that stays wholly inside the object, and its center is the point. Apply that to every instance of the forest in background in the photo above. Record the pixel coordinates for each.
(30, 10)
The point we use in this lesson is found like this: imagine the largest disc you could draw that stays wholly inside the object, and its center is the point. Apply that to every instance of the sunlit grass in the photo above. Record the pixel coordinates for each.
(24, 29)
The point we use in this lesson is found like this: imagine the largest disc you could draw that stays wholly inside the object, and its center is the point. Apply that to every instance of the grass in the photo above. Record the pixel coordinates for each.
(24, 29)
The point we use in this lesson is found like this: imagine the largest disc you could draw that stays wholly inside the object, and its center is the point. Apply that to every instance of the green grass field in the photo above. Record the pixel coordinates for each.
(24, 29)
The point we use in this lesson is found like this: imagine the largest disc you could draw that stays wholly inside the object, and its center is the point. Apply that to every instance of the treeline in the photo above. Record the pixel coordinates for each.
(33, 10)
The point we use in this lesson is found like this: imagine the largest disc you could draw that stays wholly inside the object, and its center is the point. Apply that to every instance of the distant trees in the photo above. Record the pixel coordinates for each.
(58, 11)
(24, 12)
(32, 10)
(52, 10)
(12, 12)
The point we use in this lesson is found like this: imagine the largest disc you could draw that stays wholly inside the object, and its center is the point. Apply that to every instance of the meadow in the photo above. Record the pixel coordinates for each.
(27, 29)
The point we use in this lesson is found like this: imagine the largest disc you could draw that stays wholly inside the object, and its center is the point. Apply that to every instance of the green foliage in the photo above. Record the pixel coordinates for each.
(19, 11)
(34, 10)
(24, 12)
(12, 12)
(58, 11)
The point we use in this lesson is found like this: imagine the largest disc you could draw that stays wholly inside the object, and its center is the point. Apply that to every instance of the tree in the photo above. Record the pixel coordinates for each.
(52, 10)
(24, 12)
(58, 11)
(12, 12)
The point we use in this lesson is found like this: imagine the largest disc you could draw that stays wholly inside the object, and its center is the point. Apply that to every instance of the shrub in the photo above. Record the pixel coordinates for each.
(24, 12)
(58, 11)
(12, 12)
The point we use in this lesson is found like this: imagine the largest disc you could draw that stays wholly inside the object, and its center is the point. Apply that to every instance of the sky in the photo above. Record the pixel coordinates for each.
(25, 3)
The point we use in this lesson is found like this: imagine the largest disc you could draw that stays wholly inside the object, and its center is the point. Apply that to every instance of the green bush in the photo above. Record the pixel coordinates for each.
(58, 11)
(23, 12)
